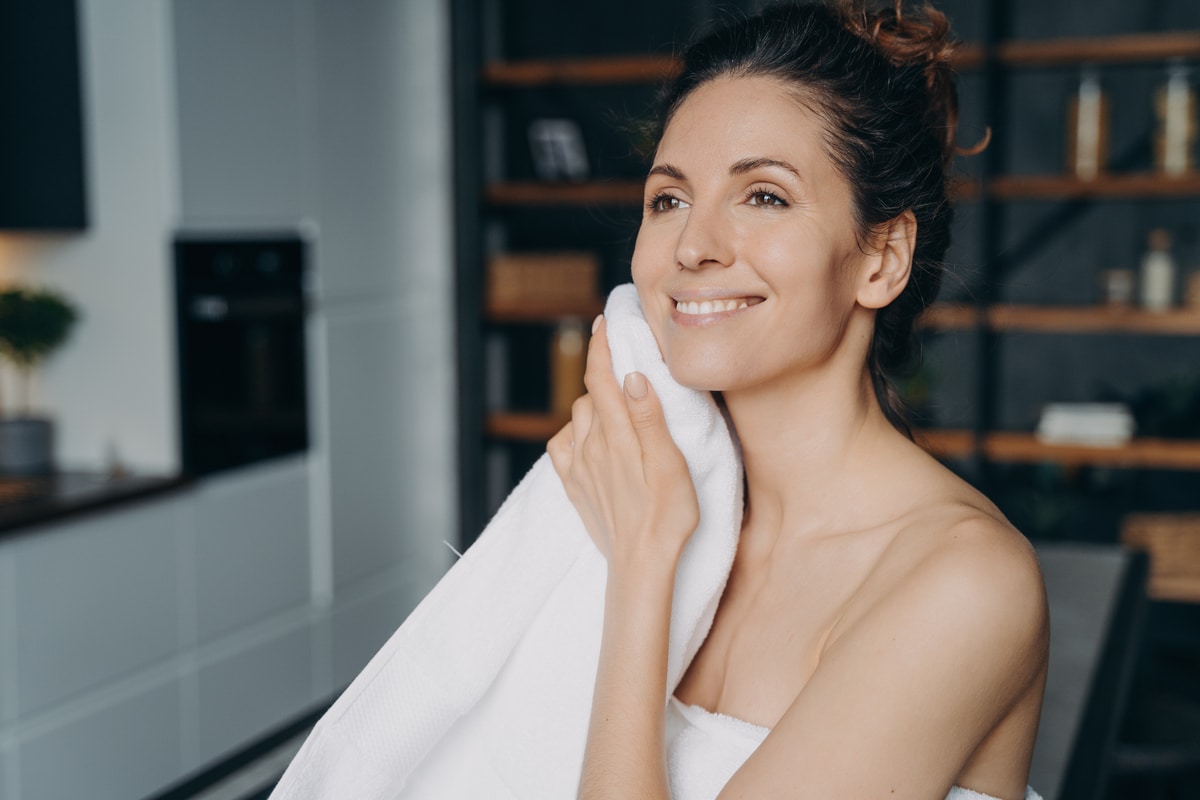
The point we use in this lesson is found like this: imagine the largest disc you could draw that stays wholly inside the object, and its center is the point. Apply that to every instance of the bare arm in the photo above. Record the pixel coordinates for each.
(631, 487)
(904, 697)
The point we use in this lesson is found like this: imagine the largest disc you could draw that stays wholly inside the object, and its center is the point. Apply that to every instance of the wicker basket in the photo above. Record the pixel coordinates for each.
(1173, 542)
(518, 281)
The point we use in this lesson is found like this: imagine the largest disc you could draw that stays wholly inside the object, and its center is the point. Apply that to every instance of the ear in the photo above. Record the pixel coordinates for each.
(886, 273)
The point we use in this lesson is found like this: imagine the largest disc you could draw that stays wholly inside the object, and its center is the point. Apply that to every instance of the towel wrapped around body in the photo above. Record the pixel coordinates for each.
(486, 689)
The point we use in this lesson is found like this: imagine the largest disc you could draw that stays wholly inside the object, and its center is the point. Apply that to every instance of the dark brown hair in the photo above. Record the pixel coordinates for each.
(882, 81)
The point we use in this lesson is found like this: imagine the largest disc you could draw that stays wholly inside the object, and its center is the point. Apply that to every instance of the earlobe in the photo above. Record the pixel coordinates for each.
(888, 270)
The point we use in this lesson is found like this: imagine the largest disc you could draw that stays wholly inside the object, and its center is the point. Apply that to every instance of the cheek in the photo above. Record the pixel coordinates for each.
(646, 255)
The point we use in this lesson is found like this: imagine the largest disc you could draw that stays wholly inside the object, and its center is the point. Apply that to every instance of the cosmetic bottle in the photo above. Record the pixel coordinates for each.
(1158, 272)
(567, 361)
(1087, 127)
(1175, 135)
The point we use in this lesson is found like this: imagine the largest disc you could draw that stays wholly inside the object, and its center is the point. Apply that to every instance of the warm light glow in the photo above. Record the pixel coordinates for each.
(18, 252)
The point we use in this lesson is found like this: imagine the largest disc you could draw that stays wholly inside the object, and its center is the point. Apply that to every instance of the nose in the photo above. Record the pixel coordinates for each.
(705, 241)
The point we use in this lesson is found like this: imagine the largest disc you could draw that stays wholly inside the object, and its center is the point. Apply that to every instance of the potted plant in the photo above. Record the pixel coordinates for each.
(33, 324)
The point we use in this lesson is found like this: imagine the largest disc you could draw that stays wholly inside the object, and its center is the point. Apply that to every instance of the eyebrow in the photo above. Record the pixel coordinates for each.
(751, 164)
(668, 170)
(737, 168)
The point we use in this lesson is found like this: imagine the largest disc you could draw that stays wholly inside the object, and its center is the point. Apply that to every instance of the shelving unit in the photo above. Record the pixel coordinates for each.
(1064, 319)
(592, 193)
(993, 319)
(989, 319)
(1025, 448)
(1103, 187)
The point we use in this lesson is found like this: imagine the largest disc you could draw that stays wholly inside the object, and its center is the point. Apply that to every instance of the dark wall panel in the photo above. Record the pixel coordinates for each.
(41, 136)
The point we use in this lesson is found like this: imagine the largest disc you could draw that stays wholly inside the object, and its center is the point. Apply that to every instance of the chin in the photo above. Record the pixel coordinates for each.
(700, 377)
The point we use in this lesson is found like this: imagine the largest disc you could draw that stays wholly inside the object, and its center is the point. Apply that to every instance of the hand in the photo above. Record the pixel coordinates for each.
(621, 469)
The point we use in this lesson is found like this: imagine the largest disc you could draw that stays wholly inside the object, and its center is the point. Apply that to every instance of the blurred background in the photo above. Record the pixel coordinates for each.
(292, 293)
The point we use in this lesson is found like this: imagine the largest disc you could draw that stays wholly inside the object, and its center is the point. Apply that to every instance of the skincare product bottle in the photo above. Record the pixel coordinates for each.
(1192, 294)
(1158, 272)
(1087, 127)
(567, 360)
(1116, 287)
(1175, 108)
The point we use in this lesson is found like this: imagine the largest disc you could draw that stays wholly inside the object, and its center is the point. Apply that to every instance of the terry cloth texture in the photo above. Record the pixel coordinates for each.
(486, 689)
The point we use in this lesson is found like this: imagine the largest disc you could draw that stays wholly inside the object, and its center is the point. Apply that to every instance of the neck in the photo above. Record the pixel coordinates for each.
(812, 449)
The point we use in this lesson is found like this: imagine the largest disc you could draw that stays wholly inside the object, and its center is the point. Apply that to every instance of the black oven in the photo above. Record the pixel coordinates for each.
(240, 319)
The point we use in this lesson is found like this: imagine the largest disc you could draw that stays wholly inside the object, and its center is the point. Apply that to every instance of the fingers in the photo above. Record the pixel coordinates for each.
(649, 423)
(598, 377)
(559, 448)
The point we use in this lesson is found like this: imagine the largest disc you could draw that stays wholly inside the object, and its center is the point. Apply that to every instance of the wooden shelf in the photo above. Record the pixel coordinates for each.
(522, 426)
(946, 443)
(949, 317)
(544, 312)
(580, 71)
(1006, 447)
(1117, 186)
(532, 193)
(1065, 319)
(1125, 49)
(622, 193)
(1009, 447)
(1008, 187)
(1099, 319)
(1139, 454)
(625, 69)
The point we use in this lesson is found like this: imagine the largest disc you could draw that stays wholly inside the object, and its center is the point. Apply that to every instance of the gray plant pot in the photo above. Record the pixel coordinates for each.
(26, 446)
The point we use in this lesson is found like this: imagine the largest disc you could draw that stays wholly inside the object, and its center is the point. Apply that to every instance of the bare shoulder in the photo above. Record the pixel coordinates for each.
(981, 565)
(967, 571)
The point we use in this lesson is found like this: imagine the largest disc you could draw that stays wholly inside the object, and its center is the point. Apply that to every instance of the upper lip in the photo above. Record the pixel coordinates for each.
(699, 295)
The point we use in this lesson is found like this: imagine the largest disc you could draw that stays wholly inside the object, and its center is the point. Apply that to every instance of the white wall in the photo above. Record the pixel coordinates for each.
(139, 644)
(335, 117)
(112, 385)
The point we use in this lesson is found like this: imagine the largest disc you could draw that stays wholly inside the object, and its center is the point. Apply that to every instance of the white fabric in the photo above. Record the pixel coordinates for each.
(486, 689)
(705, 749)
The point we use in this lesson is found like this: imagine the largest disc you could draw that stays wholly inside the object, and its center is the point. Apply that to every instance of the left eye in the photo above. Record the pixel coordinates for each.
(766, 199)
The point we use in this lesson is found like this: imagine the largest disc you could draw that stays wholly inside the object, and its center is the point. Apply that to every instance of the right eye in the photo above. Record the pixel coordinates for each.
(664, 202)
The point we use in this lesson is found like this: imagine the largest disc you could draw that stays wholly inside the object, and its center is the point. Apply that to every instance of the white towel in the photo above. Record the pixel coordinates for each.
(486, 689)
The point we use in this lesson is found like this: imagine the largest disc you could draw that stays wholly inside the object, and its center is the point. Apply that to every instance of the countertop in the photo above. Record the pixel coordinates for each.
(35, 500)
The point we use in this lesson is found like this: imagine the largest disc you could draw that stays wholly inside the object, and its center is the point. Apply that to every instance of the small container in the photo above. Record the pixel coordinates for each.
(1175, 136)
(568, 357)
(1191, 294)
(1087, 127)
(1117, 287)
(1158, 272)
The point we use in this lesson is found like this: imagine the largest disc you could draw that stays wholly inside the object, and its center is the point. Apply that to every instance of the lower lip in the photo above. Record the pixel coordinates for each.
(705, 320)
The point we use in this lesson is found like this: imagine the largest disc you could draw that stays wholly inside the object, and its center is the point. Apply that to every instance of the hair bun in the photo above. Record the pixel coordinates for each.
(917, 38)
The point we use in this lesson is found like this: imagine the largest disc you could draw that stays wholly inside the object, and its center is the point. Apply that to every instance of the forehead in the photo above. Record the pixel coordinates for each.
(730, 118)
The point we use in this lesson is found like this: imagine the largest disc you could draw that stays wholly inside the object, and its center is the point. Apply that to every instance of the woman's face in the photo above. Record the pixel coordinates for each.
(746, 261)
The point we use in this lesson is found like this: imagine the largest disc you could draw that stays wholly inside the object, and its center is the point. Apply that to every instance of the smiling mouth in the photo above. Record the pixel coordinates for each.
(701, 307)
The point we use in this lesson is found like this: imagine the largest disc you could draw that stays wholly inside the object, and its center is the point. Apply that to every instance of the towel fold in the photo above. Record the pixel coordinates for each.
(486, 689)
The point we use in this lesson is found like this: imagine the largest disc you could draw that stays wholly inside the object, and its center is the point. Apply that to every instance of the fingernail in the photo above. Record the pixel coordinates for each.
(596, 322)
(635, 385)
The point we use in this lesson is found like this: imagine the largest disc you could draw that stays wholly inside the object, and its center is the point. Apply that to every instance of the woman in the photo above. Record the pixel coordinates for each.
(884, 629)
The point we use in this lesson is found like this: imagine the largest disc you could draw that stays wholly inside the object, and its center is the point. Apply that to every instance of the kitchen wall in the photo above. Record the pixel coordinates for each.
(138, 645)
(111, 387)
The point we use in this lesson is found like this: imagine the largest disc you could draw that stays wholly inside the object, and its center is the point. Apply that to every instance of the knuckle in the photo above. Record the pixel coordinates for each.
(591, 377)
(581, 406)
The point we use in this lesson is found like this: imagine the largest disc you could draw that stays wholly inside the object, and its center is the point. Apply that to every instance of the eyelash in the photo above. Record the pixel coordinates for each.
(652, 205)
(757, 191)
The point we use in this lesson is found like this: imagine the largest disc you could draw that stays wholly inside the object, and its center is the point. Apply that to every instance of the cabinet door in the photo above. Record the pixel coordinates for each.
(41, 140)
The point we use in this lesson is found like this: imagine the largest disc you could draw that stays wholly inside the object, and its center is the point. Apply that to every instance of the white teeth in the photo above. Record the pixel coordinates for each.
(710, 306)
